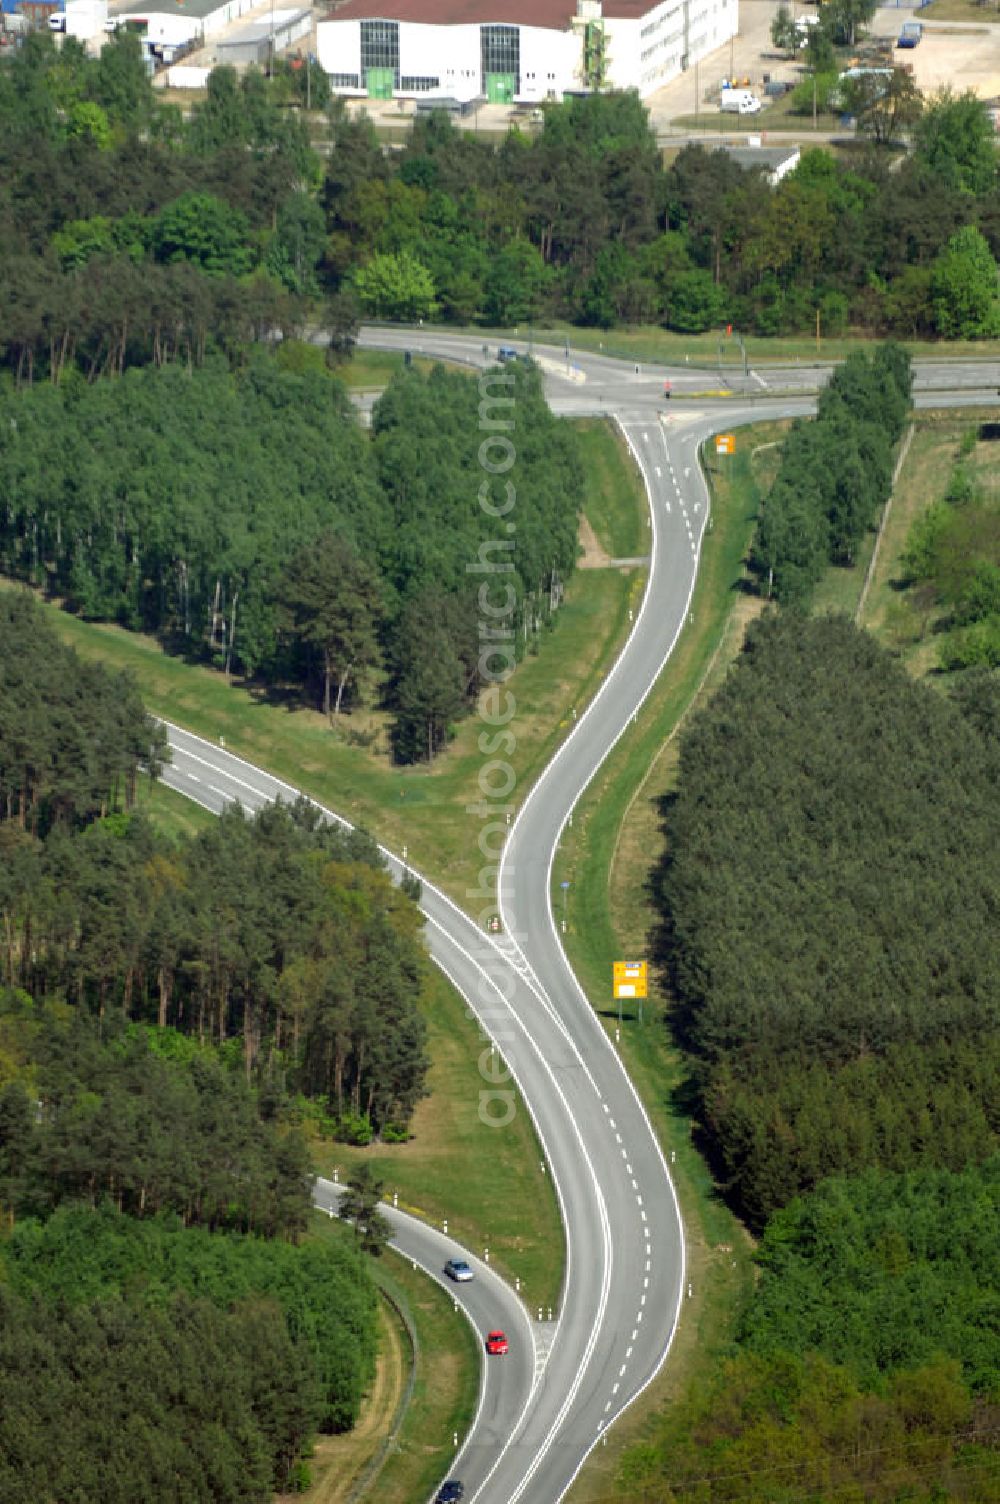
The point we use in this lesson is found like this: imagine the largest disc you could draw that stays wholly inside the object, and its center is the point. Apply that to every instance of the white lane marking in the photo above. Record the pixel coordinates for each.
(223, 794)
(607, 1407)
(639, 1199)
(635, 1184)
(659, 472)
(645, 1282)
(619, 1138)
(628, 1351)
(635, 1333)
(611, 1121)
(648, 1265)
(621, 1371)
(628, 1167)
(760, 379)
(642, 1214)
(645, 437)
(639, 1313)
(615, 1388)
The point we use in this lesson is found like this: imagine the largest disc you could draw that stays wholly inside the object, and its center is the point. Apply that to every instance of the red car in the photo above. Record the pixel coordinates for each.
(496, 1343)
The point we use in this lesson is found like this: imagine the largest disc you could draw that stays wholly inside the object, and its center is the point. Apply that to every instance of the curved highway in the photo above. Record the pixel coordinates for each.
(625, 1282)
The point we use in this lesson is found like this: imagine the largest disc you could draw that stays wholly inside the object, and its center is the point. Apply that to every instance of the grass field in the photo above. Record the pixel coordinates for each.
(442, 1403)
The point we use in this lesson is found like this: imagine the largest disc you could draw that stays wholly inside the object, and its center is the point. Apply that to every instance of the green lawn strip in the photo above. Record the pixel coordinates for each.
(622, 528)
(170, 812)
(486, 1181)
(373, 369)
(423, 808)
(446, 1383)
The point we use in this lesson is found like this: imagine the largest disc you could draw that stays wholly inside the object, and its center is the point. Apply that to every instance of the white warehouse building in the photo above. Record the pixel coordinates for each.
(515, 51)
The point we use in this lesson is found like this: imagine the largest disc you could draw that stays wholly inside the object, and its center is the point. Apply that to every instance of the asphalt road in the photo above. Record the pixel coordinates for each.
(625, 1270)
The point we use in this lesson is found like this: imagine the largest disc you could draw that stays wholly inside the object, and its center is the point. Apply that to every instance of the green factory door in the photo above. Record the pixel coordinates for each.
(379, 82)
(500, 88)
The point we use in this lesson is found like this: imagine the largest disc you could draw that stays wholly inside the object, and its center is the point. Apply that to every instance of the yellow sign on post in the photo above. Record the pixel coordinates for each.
(725, 443)
(630, 979)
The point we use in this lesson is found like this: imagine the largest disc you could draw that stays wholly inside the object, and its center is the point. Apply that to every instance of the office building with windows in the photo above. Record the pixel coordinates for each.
(515, 51)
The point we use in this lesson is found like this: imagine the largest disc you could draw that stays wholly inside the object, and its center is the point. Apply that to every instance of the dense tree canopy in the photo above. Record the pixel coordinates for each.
(282, 933)
(827, 892)
(323, 548)
(881, 1272)
(135, 234)
(835, 475)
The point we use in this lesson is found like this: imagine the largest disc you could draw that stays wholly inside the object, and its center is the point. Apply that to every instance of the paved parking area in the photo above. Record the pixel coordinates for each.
(962, 55)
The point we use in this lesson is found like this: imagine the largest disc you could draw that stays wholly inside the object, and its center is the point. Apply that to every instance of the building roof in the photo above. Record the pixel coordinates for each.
(768, 157)
(551, 15)
(199, 9)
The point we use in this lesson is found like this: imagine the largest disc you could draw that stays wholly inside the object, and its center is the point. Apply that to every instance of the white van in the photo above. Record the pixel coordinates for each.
(738, 102)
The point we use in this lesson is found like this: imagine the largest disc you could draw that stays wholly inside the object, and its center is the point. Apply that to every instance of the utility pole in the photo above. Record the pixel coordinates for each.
(814, 99)
(817, 331)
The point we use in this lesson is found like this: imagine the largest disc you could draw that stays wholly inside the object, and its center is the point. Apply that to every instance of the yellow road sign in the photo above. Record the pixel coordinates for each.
(630, 978)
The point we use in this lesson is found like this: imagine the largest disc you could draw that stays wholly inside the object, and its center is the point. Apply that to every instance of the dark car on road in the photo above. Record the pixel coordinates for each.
(450, 1492)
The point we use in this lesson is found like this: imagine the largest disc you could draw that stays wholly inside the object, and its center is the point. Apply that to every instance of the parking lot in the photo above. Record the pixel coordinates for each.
(964, 56)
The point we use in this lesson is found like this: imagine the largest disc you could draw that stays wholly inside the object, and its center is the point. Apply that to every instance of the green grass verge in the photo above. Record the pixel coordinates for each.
(487, 1182)
(650, 343)
(369, 369)
(446, 1385)
(620, 521)
(171, 813)
(907, 620)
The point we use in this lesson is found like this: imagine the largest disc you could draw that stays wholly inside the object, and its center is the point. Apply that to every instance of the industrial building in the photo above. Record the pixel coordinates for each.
(167, 26)
(516, 51)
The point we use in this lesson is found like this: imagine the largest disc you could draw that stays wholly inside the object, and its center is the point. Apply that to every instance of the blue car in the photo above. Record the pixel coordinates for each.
(450, 1492)
(506, 352)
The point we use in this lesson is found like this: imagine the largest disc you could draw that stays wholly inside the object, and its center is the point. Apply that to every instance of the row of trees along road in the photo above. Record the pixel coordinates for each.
(134, 235)
(328, 556)
(279, 934)
(835, 475)
(828, 892)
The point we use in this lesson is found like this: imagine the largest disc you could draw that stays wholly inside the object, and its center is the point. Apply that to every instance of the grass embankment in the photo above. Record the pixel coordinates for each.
(606, 856)
(440, 1346)
(907, 620)
(370, 370)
